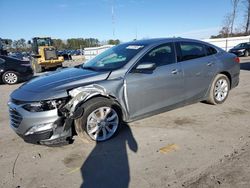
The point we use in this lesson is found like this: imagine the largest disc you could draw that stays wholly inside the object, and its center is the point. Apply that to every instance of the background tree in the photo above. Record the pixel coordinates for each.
(235, 4)
(227, 26)
(59, 44)
(77, 43)
(114, 42)
(247, 22)
(22, 43)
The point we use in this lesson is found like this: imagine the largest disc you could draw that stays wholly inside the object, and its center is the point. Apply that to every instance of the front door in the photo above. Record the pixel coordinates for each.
(162, 87)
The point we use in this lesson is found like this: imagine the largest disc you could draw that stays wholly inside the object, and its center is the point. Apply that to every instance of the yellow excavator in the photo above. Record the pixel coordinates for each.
(44, 54)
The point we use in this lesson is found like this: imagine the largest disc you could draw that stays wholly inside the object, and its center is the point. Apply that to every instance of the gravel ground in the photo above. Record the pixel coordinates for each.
(199, 145)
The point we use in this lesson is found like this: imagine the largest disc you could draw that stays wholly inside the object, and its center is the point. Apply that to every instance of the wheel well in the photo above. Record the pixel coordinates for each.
(8, 70)
(227, 74)
(113, 100)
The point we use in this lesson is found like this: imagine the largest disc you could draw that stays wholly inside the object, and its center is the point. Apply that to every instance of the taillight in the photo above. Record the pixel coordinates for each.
(237, 60)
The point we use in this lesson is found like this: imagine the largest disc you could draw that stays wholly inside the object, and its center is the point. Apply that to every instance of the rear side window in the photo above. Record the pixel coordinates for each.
(160, 55)
(191, 50)
(210, 50)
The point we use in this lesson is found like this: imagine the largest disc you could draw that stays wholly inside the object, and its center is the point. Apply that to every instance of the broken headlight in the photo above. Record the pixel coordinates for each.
(44, 105)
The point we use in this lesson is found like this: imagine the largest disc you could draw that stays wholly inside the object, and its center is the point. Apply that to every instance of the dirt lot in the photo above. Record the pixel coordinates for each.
(195, 146)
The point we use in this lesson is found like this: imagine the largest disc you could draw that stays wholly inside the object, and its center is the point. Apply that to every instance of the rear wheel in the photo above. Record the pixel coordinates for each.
(219, 90)
(100, 120)
(10, 77)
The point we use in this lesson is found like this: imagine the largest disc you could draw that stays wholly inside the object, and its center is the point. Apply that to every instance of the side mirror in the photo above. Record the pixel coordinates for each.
(147, 66)
(29, 42)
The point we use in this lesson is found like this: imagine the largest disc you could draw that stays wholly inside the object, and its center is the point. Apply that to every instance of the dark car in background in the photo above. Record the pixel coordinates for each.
(242, 49)
(125, 83)
(14, 70)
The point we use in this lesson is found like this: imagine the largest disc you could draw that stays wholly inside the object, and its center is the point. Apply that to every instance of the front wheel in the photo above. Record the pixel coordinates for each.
(100, 120)
(10, 77)
(219, 89)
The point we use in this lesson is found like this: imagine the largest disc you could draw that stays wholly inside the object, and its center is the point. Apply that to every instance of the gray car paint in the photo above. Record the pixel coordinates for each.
(157, 90)
(138, 94)
(198, 72)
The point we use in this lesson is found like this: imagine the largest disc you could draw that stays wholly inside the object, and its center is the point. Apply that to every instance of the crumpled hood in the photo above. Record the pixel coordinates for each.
(52, 85)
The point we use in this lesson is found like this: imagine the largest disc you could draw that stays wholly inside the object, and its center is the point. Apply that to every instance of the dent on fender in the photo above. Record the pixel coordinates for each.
(81, 94)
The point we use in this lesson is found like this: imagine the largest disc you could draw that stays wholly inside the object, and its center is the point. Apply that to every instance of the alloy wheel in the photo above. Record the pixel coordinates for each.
(102, 123)
(10, 78)
(221, 89)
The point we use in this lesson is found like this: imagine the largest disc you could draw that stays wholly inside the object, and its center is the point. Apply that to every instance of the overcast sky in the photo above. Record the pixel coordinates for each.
(93, 18)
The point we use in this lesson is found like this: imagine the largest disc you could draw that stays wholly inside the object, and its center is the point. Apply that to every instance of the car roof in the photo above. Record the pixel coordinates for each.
(9, 58)
(163, 40)
(159, 41)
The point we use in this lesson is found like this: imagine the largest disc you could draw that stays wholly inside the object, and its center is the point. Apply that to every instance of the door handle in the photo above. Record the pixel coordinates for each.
(210, 64)
(175, 71)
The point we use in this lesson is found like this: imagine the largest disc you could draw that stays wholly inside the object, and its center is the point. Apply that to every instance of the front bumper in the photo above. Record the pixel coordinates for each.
(238, 53)
(36, 138)
(33, 126)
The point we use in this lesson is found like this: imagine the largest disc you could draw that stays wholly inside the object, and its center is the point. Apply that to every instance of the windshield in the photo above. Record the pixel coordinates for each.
(114, 58)
(44, 42)
(241, 45)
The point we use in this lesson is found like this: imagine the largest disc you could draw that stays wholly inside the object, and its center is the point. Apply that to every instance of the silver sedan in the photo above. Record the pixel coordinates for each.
(125, 83)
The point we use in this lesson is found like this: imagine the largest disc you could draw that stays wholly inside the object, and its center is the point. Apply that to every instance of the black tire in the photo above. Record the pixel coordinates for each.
(212, 99)
(89, 107)
(246, 54)
(10, 77)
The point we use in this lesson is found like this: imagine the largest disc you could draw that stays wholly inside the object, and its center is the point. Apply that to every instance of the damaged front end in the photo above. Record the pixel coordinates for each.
(40, 122)
(79, 96)
(51, 122)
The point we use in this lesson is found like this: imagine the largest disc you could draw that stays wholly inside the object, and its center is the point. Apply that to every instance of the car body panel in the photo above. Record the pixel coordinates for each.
(198, 72)
(158, 89)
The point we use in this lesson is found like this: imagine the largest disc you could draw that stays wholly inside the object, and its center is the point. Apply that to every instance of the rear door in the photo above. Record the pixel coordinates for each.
(151, 91)
(198, 69)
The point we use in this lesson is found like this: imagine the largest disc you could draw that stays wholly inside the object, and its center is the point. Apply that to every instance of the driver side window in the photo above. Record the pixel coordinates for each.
(160, 55)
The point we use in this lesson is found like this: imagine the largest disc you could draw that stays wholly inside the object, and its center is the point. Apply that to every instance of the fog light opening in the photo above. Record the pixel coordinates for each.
(40, 128)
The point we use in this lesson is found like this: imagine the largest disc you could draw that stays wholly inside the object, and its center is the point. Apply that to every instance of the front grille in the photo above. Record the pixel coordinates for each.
(50, 54)
(15, 118)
